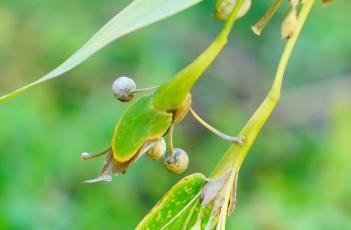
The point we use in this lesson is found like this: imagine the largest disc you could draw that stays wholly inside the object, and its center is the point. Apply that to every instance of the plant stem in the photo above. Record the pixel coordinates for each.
(180, 85)
(235, 155)
(87, 156)
(146, 89)
(214, 130)
(170, 145)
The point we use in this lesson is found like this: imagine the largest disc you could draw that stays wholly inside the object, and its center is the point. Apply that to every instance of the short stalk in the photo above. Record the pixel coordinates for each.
(146, 89)
(170, 145)
(87, 156)
(261, 24)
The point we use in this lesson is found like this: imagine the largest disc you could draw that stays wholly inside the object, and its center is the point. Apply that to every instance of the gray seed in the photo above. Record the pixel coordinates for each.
(178, 162)
(123, 88)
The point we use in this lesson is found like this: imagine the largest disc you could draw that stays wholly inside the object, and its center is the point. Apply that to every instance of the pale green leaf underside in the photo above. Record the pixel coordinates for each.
(138, 14)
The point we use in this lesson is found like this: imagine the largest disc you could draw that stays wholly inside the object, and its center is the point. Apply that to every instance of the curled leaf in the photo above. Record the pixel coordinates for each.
(212, 188)
(110, 165)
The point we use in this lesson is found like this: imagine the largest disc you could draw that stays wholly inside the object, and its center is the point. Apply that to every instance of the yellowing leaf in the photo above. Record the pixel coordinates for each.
(179, 206)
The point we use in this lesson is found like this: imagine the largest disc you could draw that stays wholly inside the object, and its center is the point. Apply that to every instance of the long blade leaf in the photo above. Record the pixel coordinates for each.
(138, 14)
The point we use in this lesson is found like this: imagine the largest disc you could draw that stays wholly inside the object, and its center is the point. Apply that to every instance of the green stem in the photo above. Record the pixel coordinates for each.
(170, 140)
(172, 94)
(146, 89)
(237, 153)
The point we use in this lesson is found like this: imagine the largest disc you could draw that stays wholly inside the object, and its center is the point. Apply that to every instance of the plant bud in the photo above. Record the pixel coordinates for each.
(157, 150)
(289, 24)
(177, 162)
(223, 8)
(123, 88)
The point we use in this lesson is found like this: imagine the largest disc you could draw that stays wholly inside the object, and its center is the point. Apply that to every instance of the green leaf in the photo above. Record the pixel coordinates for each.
(194, 203)
(140, 123)
(180, 206)
(138, 14)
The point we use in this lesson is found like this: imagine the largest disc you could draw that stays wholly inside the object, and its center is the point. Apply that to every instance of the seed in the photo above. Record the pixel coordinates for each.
(157, 150)
(177, 162)
(85, 156)
(123, 88)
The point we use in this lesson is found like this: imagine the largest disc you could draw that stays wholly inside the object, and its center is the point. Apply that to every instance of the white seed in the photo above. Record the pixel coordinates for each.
(123, 88)
(157, 150)
(177, 162)
(85, 155)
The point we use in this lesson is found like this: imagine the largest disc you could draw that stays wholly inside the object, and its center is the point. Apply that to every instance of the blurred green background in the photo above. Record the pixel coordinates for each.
(297, 176)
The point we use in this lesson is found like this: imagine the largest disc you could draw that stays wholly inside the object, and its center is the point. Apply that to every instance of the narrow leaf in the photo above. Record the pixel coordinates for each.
(138, 14)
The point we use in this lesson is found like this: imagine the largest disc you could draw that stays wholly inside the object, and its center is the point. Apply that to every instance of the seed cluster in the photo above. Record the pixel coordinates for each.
(175, 160)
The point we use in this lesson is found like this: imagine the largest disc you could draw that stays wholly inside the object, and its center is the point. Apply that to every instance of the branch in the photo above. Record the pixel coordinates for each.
(235, 155)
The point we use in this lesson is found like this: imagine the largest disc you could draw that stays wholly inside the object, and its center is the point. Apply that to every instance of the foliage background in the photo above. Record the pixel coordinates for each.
(296, 176)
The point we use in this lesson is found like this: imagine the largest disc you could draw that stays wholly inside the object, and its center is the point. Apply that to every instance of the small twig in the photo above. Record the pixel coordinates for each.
(226, 137)
(87, 156)
(261, 24)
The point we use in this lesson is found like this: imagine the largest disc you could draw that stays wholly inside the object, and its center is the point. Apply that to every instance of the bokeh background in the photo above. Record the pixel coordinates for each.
(297, 175)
